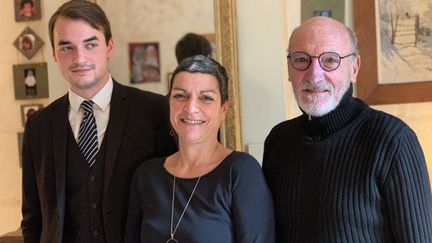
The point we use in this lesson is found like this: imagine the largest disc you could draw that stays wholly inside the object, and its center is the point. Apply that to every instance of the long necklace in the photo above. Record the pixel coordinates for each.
(173, 231)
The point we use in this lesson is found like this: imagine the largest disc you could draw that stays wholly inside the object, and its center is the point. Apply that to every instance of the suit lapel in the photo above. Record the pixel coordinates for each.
(115, 129)
(60, 126)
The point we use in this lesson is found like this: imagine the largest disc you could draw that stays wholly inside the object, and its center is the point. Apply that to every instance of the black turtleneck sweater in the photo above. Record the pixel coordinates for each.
(353, 175)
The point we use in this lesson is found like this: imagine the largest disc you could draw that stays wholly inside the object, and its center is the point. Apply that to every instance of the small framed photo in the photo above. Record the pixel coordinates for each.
(27, 110)
(26, 10)
(144, 63)
(326, 13)
(211, 37)
(30, 81)
(28, 43)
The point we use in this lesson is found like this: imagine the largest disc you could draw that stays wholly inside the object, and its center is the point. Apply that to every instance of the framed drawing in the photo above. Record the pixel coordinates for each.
(27, 110)
(144, 64)
(393, 49)
(30, 81)
(28, 43)
(27, 10)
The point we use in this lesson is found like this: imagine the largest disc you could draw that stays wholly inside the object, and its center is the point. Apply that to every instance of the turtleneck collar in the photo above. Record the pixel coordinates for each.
(318, 128)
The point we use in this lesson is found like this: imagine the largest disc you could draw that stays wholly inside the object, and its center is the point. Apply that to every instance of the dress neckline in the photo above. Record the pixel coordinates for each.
(166, 172)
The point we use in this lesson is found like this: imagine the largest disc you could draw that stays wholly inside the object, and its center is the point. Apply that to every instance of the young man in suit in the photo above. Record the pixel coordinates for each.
(78, 159)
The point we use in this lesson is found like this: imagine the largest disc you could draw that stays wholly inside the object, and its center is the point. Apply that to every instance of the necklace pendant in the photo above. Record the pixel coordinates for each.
(172, 240)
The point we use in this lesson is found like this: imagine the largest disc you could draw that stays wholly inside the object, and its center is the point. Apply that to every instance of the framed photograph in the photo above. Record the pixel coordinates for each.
(326, 13)
(20, 144)
(27, 110)
(144, 63)
(30, 81)
(387, 48)
(211, 37)
(334, 9)
(27, 10)
(28, 43)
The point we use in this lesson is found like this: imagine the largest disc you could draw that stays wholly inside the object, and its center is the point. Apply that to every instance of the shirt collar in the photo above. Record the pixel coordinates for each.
(102, 98)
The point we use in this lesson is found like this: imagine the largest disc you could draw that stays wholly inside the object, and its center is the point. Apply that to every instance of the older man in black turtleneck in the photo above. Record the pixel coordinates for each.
(342, 171)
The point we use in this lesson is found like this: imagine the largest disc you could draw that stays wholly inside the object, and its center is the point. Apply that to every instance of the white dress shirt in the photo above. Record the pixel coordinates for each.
(101, 110)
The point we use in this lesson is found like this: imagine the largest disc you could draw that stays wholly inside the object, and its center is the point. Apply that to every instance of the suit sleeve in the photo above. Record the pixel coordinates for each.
(134, 217)
(408, 194)
(252, 207)
(31, 224)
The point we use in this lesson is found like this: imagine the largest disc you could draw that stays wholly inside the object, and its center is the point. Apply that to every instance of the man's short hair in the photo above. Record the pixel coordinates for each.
(82, 10)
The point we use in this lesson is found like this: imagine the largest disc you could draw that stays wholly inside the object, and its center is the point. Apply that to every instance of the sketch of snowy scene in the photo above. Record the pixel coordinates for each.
(406, 41)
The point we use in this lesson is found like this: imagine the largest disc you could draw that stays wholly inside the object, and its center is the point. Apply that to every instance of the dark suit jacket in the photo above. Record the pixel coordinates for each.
(138, 129)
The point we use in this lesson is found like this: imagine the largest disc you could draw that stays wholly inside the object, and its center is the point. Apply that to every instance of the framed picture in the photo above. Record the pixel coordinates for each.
(30, 81)
(26, 10)
(28, 43)
(326, 13)
(27, 110)
(20, 144)
(144, 63)
(211, 37)
(369, 84)
(334, 9)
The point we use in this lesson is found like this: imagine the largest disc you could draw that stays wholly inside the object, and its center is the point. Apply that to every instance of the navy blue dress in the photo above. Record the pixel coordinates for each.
(231, 203)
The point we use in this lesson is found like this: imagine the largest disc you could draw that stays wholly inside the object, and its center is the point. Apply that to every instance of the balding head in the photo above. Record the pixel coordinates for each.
(327, 28)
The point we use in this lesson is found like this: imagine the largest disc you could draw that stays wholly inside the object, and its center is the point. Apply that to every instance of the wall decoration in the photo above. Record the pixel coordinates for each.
(405, 37)
(334, 9)
(20, 143)
(211, 37)
(369, 85)
(28, 43)
(30, 81)
(144, 63)
(27, 110)
(27, 10)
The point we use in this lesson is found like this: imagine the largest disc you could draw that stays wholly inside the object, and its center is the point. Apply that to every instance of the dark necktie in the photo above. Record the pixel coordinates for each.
(87, 135)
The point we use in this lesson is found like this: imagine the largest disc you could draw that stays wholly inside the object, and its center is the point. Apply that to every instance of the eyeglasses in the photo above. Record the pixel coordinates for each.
(328, 61)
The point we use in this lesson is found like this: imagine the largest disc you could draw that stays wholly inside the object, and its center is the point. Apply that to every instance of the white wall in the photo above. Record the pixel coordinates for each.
(262, 43)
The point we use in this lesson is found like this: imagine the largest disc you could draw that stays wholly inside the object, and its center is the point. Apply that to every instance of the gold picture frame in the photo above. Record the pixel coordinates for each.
(226, 41)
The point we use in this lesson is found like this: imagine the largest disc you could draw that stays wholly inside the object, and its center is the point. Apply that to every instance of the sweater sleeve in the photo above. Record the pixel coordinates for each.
(252, 207)
(407, 193)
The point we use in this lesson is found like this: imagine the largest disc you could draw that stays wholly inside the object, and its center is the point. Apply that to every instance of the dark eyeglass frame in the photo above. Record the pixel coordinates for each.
(319, 60)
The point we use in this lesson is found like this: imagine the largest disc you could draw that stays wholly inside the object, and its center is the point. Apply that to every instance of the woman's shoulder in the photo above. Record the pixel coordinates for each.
(241, 161)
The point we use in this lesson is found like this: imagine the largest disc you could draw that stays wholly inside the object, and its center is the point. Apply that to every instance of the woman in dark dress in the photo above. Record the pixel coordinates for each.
(204, 192)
